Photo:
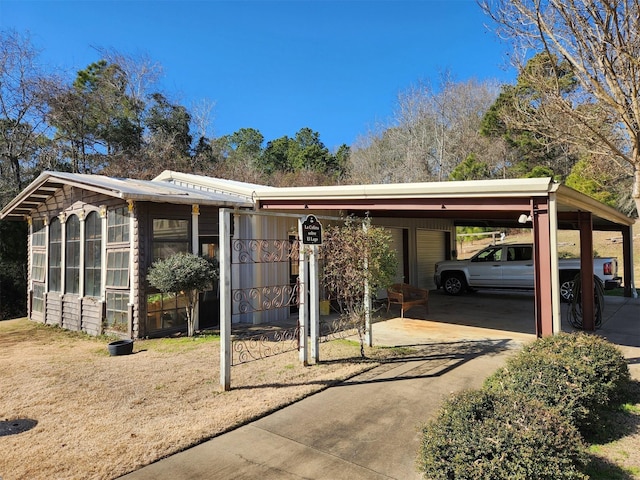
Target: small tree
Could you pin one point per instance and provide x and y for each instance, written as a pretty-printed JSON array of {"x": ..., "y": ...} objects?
[
  {"x": 184, "y": 273},
  {"x": 356, "y": 254}
]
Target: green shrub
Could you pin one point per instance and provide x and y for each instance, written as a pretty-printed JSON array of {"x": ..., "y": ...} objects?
[
  {"x": 578, "y": 374},
  {"x": 488, "y": 435}
]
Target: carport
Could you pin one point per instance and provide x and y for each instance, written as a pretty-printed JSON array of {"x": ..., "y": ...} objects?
[{"x": 540, "y": 203}]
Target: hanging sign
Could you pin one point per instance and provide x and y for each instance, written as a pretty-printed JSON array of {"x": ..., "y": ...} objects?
[{"x": 311, "y": 231}]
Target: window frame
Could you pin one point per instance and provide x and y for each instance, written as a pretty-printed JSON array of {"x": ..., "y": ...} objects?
[
  {"x": 38, "y": 269},
  {"x": 183, "y": 243},
  {"x": 38, "y": 233},
  {"x": 116, "y": 316},
  {"x": 37, "y": 297},
  {"x": 55, "y": 255},
  {"x": 93, "y": 254},
  {"x": 72, "y": 260},
  {"x": 123, "y": 268},
  {"x": 118, "y": 220}
]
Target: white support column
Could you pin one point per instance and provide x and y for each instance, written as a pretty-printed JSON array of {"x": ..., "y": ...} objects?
[
  {"x": 314, "y": 307},
  {"x": 303, "y": 321},
  {"x": 63, "y": 254},
  {"x": 368, "y": 332},
  {"x": 47, "y": 252},
  {"x": 195, "y": 229},
  {"x": 225, "y": 299},
  {"x": 30, "y": 261},
  {"x": 103, "y": 253},
  {"x": 81, "y": 217},
  {"x": 195, "y": 249}
]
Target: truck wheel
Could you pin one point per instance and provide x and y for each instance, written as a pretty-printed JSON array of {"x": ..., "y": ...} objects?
[
  {"x": 454, "y": 284},
  {"x": 566, "y": 289}
]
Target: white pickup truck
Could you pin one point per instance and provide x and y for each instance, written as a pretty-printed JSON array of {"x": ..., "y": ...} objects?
[{"x": 511, "y": 266}]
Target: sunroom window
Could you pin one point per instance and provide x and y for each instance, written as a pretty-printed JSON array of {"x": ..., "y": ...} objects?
[
  {"x": 118, "y": 268},
  {"x": 72, "y": 255},
  {"x": 92, "y": 254},
  {"x": 170, "y": 236},
  {"x": 55, "y": 255},
  {"x": 118, "y": 225}
]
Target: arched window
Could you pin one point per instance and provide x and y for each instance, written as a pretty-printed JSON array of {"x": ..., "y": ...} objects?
[
  {"x": 92, "y": 254},
  {"x": 72, "y": 255},
  {"x": 55, "y": 255}
]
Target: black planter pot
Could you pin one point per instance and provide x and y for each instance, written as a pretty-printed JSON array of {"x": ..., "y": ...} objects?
[{"x": 120, "y": 347}]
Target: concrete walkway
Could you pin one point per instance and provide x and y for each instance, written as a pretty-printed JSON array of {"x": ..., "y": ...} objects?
[{"x": 369, "y": 427}]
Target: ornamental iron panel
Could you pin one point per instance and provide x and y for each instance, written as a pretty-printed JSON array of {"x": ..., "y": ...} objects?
[
  {"x": 264, "y": 251},
  {"x": 258, "y": 299},
  {"x": 249, "y": 347}
]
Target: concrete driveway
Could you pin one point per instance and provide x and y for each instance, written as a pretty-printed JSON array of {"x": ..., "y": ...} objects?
[{"x": 369, "y": 426}]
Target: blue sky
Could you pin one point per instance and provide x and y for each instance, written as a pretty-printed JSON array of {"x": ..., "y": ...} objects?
[{"x": 276, "y": 66}]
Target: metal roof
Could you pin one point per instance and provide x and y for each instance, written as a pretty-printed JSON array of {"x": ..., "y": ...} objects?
[
  {"x": 157, "y": 191},
  {"x": 476, "y": 202}
]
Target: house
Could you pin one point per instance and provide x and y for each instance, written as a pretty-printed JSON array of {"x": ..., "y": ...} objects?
[{"x": 92, "y": 239}]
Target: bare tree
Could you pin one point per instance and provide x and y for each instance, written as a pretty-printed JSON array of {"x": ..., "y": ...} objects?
[
  {"x": 22, "y": 124},
  {"x": 600, "y": 42},
  {"x": 433, "y": 130}
]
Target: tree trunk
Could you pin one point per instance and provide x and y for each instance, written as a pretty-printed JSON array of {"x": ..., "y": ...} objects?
[{"x": 636, "y": 186}]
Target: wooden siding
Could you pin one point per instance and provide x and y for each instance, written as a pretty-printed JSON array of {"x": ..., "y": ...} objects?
[
  {"x": 71, "y": 199},
  {"x": 208, "y": 221},
  {"x": 92, "y": 315},
  {"x": 53, "y": 309},
  {"x": 136, "y": 275},
  {"x": 141, "y": 257},
  {"x": 71, "y": 312}
]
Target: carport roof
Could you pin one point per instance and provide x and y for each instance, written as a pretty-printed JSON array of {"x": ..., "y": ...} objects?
[{"x": 476, "y": 202}]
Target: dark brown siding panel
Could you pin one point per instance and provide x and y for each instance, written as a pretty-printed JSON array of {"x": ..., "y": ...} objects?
[
  {"x": 139, "y": 269},
  {"x": 208, "y": 221}
]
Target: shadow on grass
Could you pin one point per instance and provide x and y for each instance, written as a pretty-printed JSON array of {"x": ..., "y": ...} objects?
[
  {"x": 602, "y": 469},
  {"x": 618, "y": 422},
  {"x": 614, "y": 425}
]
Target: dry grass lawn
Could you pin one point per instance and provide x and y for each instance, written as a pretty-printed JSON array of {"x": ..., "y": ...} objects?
[{"x": 100, "y": 416}]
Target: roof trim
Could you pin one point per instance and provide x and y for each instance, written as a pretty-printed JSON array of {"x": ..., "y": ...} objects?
[
  {"x": 522, "y": 187},
  {"x": 43, "y": 187},
  {"x": 230, "y": 187}
]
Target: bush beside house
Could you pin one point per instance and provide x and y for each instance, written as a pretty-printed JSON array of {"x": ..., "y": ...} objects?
[
  {"x": 184, "y": 273},
  {"x": 531, "y": 417}
]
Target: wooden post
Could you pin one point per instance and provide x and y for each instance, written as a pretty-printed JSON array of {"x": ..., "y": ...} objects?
[
  {"x": 542, "y": 266},
  {"x": 586, "y": 270}
]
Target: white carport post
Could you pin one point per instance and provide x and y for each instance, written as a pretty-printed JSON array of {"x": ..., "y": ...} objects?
[
  {"x": 368, "y": 328},
  {"x": 195, "y": 249},
  {"x": 314, "y": 306},
  {"x": 225, "y": 298},
  {"x": 303, "y": 321}
]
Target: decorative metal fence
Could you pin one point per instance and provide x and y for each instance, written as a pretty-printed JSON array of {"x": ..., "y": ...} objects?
[
  {"x": 249, "y": 347},
  {"x": 258, "y": 299}
]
